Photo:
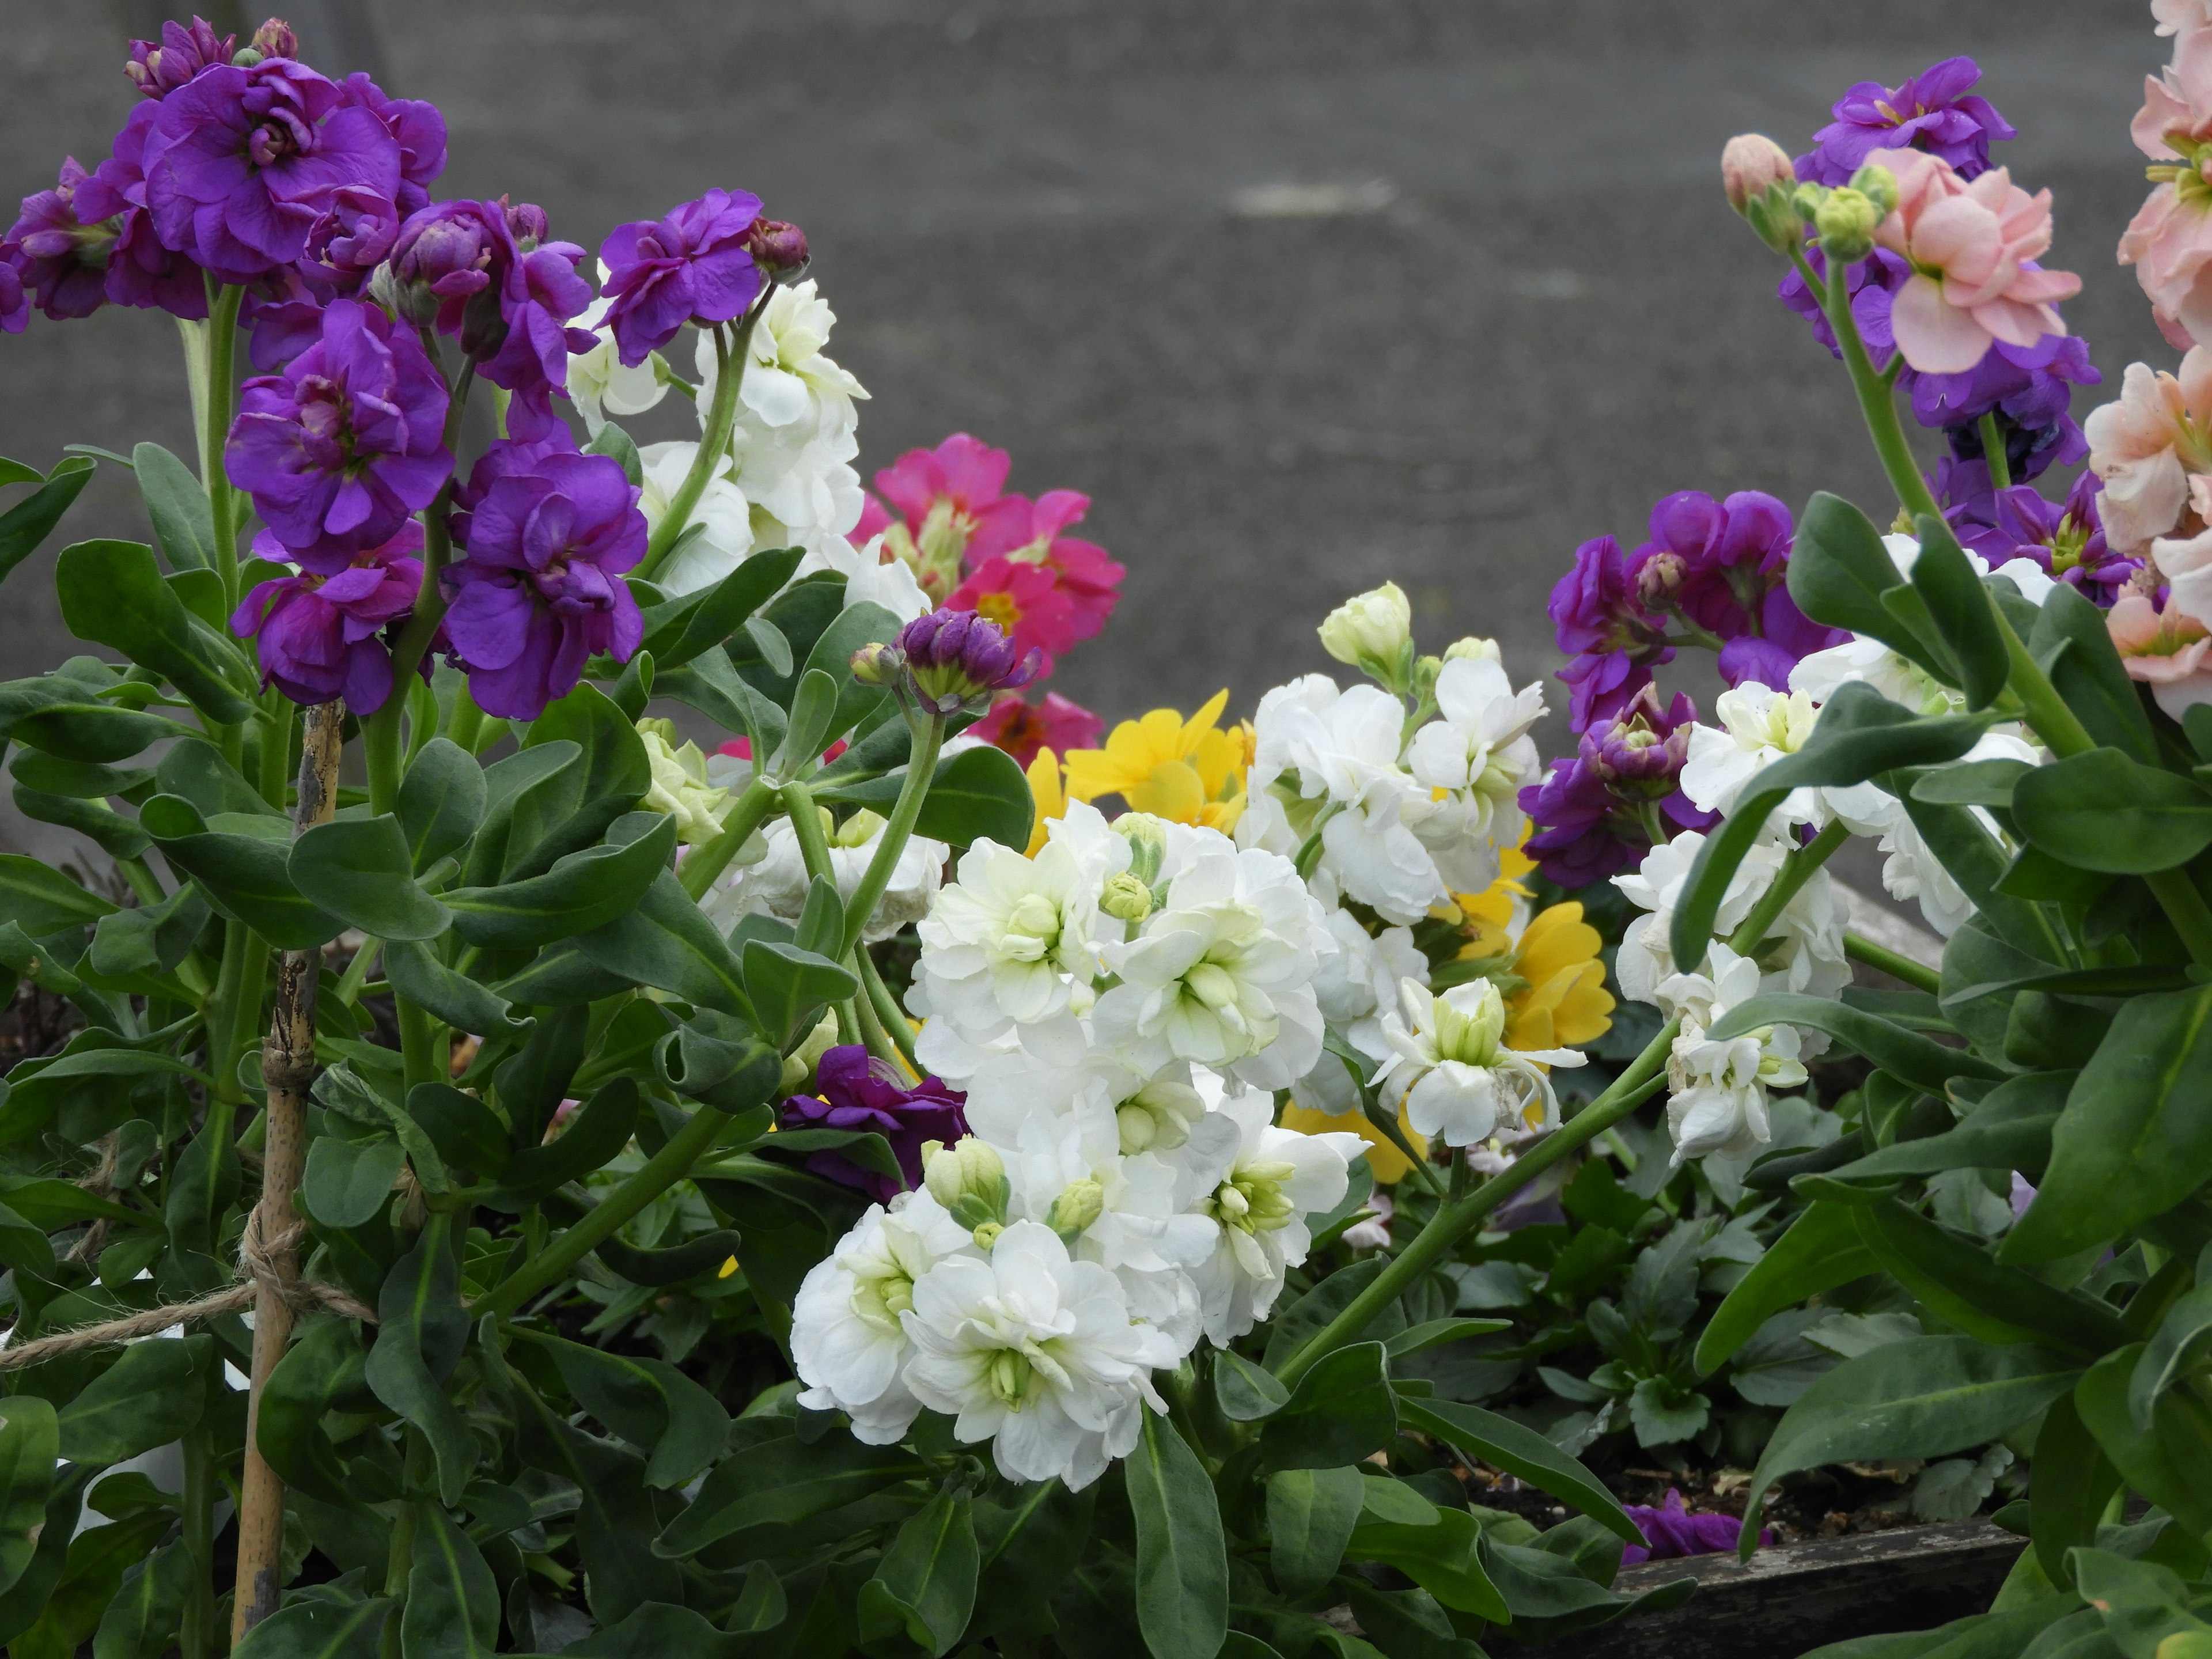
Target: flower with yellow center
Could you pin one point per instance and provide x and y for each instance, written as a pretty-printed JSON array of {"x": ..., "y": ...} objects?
[{"x": 1187, "y": 771}]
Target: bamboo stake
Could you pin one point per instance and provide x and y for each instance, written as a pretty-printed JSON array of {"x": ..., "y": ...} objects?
[{"x": 287, "y": 1066}]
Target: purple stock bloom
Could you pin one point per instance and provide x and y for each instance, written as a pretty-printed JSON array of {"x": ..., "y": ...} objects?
[
  {"x": 549, "y": 535},
  {"x": 321, "y": 636},
  {"x": 14, "y": 304},
  {"x": 342, "y": 447},
  {"x": 1597, "y": 808},
  {"x": 1640, "y": 755},
  {"x": 242, "y": 162},
  {"x": 955, "y": 657},
  {"x": 1724, "y": 566},
  {"x": 416, "y": 127},
  {"x": 860, "y": 1093},
  {"x": 1936, "y": 111},
  {"x": 2066, "y": 539},
  {"x": 141, "y": 271},
  {"x": 63, "y": 259},
  {"x": 1595, "y": 615},
  {"x": 1675, "y": 1532},
  {"x": 159, "y": 68},
  {"x": 694, "y": 266}
]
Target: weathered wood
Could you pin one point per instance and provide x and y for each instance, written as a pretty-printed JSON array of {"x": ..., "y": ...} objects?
[{"x": 1787, "y": 1601}]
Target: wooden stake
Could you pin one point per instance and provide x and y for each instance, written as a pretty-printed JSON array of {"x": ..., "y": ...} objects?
[{"x": 287, "y": 1066}]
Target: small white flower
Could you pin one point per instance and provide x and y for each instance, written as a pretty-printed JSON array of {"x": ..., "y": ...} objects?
[
  {"x": 1035, "y": 1353},
  {"x": 1718, "y": 1102},
  {"x": 1759, "y": 727},
  {"x": 599, "y": 382},
  {"x": 787, "y": 378},
  {"x": 1355, "y": 986},
  {"x": 870, "y": 579},
  {"x": 1454, "y": 1072},
  {"x": 1806, "y": 952},
  {"x": 777, "y": 885},
  {"x": 1479, "y": 755},
  {"x": 721, "y": 518}
]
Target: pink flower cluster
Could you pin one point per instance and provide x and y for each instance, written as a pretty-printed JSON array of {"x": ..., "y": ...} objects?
[{"x": 2169, "y": 241}]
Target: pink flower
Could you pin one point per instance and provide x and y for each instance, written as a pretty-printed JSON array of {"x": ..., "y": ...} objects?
[
  {"x": 947, "y": 497},
  {"x": 2145, "y": 446},
  {"x": 1025, "y": 601},
  {"x": 1022, "y": 728},
  {"x": 2165, "y": 650},
  {"x": 2169, "y": 241},
  {"x": 1090, "y": 580},
  {"x": 2185, "y": 561},
  {"x": 1972, "y": 248}
]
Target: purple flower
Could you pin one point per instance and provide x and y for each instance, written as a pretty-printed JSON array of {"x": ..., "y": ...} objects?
[
  {"x": 141, "y": 271},
  {"x": 860, "y": 1094},
  {"x": 956, "y": 656},
  {"x": 415, "y": 126},
  {"x": 694, "y": 266},
  {"x": 2066, "y": 539},
  {"x": 1675, "y": 1532},
  {"x": 1723, "y": 566},
  {"x": 1874, "y": 280},
  {"x": 1936, "y": 111},
  {"x": 242, "y": 162},
  {"x": 1595, "y": 615},
  {"x": 14, "y": 304},
  {"x": 549, "y": 535},
  {"x": 778, "y": 248},
  {"x": 64, "y": 260},
  {"x": 1597, "y": 810},
  {"x": 159, "y": 68},
  {"x": 338, "y": 449},
  {"x": 1640, "y": 754},
  {"x": 321, "y": 636}
]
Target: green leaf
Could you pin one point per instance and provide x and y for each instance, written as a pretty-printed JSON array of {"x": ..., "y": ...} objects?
[
  {"x": 324, "y": 1365},
  {"x": 2144, "y": 1606},
  {"x": 183, "y": 528},
  {"x": 2074, "y": 1481},
  {"x": 112, "y": 591},
  {"x": 30, "y": 1445},
  {"x": 671, "y": 1265},
  {"x": 979, "y": 794},
  {"x": 197, "y": 769},
  {"x": 788, "y": 987},
  {"x": 1917, "y": 1059},
  {"x": 453, "y": 1600},
  {"x": 685, "y": 628},
  {"x": 347, "y": 1183},
  {"x": 2088, "y": 673},
  {"x": 319, "y": 1630},
  {"x": 2164, "y": 1462},
  {"x": 2178, "y": 1347},
  {"x": 2136, "y": 1137},
  {"x": 1245, "y": 1392},
  {"x": 1293, "y": 1327},
  {"x": 467, "y": 1134},
  {"x": 600, "y": 1129},
  {"x": 1442, "y": 1557},
  {"x": 1182, "y": 1563},
  {"x": 813, "y": 707},
  {"x": 713, "y": 687},
  {"x": 415, "y": 973},
  {"x": 616, "y": 1515},
  {"x": 1435, "y": 1332},
  {"x": 1504, "y": 1444},
  {"x": 108, "y": 829},
  {"x": 925, "y": 1585},
  {"x": 22, "y": 1606},
  {"x": 1839, "y": 572},
  {"x": 244, "y": 876},
  {"x": 821, "y": 921},
  {"x": 1922, "y": 1397},
  {"x": 661, "y": 1630},
  {"x": 92, "y": 731},
  {"x": 141, "y": 1622},
  {"x": 666, "y": 941},
  {"x": 766, "y": 642},
  {"x": 146, "y": 1398},
  {"x": 781, "y": 1481},
  {"x": 441, "y": 801},
  {"x": 32, "y": 520},
  {"x": 582, "y": 891},
  {"x": 41, "y": 900},
  {"x": 1963, "y": 613},
  {"x": 2101, "y": 811},
  {"x": 1954, "y": 1278},
  {"x": 720, "y": 1061},
  {"x": 419, "y": 1336},
  {"x": 852, "y": 627},
  {"x": 678, "y": 1425},
  {"x": 2010, "y": 1129},
  {"x": 1971, "y": 783},
  {"x": 1310, "y": 1515},
  {"x": 1341, "y": 1411},
  {"x": 360, "y": 870}
]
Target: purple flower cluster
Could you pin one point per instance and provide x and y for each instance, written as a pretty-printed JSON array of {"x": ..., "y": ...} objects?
[
  {"x": 321, "y": 634},
  {"x": 1937, "y": 111},
  {"x": 1674, "y": 1531},
  {"x": 2066, "y": 539},
  {"x": 1617, "y": 795},
  {"x": 860, "y": 1093},
  {"x": 696, "y": 265}
]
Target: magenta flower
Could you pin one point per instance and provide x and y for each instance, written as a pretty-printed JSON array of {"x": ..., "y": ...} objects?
[
  {"x": 241, "y": 163},
  {"x": 1936, "y": 111},
  {"x": 321, "y": 636},
  {"x": 63, "y": 260},
  {"x": 860, "y": 1094},
  {"x": 549, "y": 535},
  {"x": 953, "y": 658},
  {"x": 338, "y": 449},
  {"x": 159, "y": 68},
  {"x": 694, "y": 266},
  {"x": 1674, "y": 1531},
  {"x": 1089, "y": 580},
  {"x": 141, "y": 271},
  {"x": 1022, "y": 728},
  {"x": 949, "y": 499},
  {"x": 1026, "y": 603},
  {"x": 14, "y": 304}
]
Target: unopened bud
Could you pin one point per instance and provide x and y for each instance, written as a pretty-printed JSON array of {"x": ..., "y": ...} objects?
[
  {"x": 1474, "y": 649},
  {"x": 1879, "y": 185},
  {"x": 245, "y": 57},
  {"x": 525, "y": 222},
  {"x": 878, "y": 665},
  {"x": 1751, "y": 165},
  {"x": 778, "y": 248},
  {"x": 800, "y": 1065},
  {"x": 1148, "y": 842},
  {"x": 1373, "y": 632},
  {"x": 1079, "y": 1204},
  {"x": 1125, "y": 898},
  {"x": 276, "y": 38},
  {"x": 987, "y": 1233},
  {"x": 1846, "y": 221},
  {"x": 965, "y": 1177}
]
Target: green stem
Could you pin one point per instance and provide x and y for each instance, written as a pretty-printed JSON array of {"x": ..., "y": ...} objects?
[
  {"x": 221, "y": 338},
  {"x": 227, "y": 1012},
  {"x": 661, "y": 1171},
  {"x": 467, "y": 724},
  {"x": 2059, "y": 727},
  {"x": 873, "y": 1032},
  {"x": 143, "y": 882},
  {"x": 1877, "y": 397},
  {"x": 1454, "y": 1220},
  {"x": 1797, "y": 870},
  {"x": 196, "y": 1636},
  {"x": 2185, "y": 908},
  {"x": 1920, "y": 977},
  {"x": 886, "y": 1008},
  {"x": 731, "y": 357},
  {"x": 1993, "y": 452},
  {"x": 806, "y": 829},
  {"x": 921, "y": 765},
  {"x": 704, "y": 863},
  {"x": 356, "y": 973},
  {"x": 418, "y": 1046}
]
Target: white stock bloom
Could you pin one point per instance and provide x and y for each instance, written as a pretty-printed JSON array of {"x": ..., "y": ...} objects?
[
  {"x": 1913, "y": 871},
  {"x": 1260, "y": 1189},
  {"x": 2033, "y": 581},
  {"x": 1807, "y": 953},
  {"x": 1356, "y": 986},
  {"x": 599, "y": 382},
  {"x": 1471, "y": 764},
  {"x": 681, "y": 787},
  {"x": 786, "y": 376},
  {"x": 1035, "y": 1353},
  {"x": 1759, "y": 727},
  {"x": 1317, "y": 750},
  {"x": 846, "y": 1342},
  {"x": 721, "y": 519},
  {"x": 1221, "y": 974},
  {"x": 777, "y": 884},
  {"x": 870, "y": 578},
  {"x": 1454, "y": 1072},
  {"x": 1718, "y": 1098},
  {"x": 798, "y": 477}
]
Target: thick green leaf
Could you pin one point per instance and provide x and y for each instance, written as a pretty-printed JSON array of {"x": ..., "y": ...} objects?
[
  {"x": 683, "y": 629},
  {"x": 2164, "y": 1462},
  {"x": 1962, "y": 612},
  {"x": 679, "y": 1426},
  {"x": 32, "y": 520},
  {"x": 979, "y": 794},
  {"x": 2010, "y": 1129},
  {"x": 2074, "y": 1481},
  {"x": 441, "y": 801},
  {"x": 671, "y": 1265},
  {"x": 1954, "y": 1276},
  {"x": 415, "y": 973},
  {"x": 1245, "y": 1392},
  {"x": 582, "y": 891},
  {"x": 2101, "y": 811},
  {"x": 720, "y": 1061},
  {"x": 781, "y": 1481},
  {"x": 571, "y": 808},
  {"x": 109, "y": 830},
  {"x": 467, "y": 1134},
  {"x": 1971, "y": 783},
  {"x": 347, "y": 1183},
  {"x": 195, "y": 769},
  {"x": 30, "y": 1445},
  {"x": 362, "y": 871},
  {"x": 1839, "y": 570},
  {"x": 148, "y": 1397},
  {"x": 1310, "y": 1515},
  {"x": 2136, "y": 1137},
  {"x": 600, "y": 1129},
  {"x": 2177, "y": 1347},
  {"x": 419, "y": 1336},
  {"x": 661, "y": 1630},
  {"x": 141, "y": 1622},
  {"x": 244, "y": 876},
  {"x": 453, "y": 1600},
  {"x": 1341, "y": 1411},
  {"x": 92, "y": 731},
  {"x": 41, "y": 900},
  {"x": 319, "y": 1630},
  {"x": 2088, "y": 673},
  {"x": 814, "y": 709},
  {"x": 1922, "y": 1397},
  {"x": 616, "y": 1516},
  {"x": 1182, "y": 1563},
  {"x": 853, "y": 626},
  {"x": 1917, "y": 1059},
  {"x": 713, "y": 687},
  {"x": 324, "y": 1365},
  {"x": 183, "y": 528},
  {"x": 112, "y": 591},
  {"x": 1444, "y": 1558},
  {"x": 666, "y": 941},
  {"x": 1504, "y": 1444},
  {"x": 925, "y": 1586},
  {"x": 2145, "y": 1606},
  {"x": 788, "y": 987}
]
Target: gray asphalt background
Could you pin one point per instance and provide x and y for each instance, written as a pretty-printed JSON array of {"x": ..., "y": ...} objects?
[{"x": 1532, "y": 315}]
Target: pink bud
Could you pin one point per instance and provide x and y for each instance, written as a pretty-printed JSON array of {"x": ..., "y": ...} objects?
[
  {"x": 1750, "y": 163},
  {"x": 275, "y": 38}
]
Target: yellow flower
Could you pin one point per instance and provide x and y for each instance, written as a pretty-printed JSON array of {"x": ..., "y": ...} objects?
[
  {"x": 1488, "y": 915},
  {"x": 1046, "y": 796},
  {"x": 1187, "y": 771},
  {"x": 1564, "y": 1004},
  {"x": 1388, "y": 1163}
]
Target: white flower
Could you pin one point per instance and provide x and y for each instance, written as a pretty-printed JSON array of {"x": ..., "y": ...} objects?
[
  {"x": 1480, "y": 756},
  {"x": 1902, "y": 681},
  {"x": 777, "y": 885},
  {"x": 846, "y": 1342},
  {"x": 1454, "y": 1072},
  {"x": 1913, "y": 871},
  {"x": 600, "y": 384},
  {"x": 720, "y": 523},
  {"x": 1035, "y": 1353},
  {"x": 1759, "y": 727},
  {"x": 1372, "y": 632},
  {"x": 681, "y": 787},
  {"x": 870, "y": 578},
  {"x": 2033, "y": 581},
  {"x": 1260, "y": 1189},
  {"x": 786, "y": 377},
  {"x": 798, "y": 475},
  {"x": 1806, "y": 951},
  {"x": 1221, "y": 975},
  {"x": 1356, "y": 986},
  {"x": 1718, "y": 1102}
]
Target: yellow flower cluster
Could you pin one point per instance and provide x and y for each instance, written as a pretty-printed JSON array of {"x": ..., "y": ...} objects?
[{"x": 1187, "y": 771}]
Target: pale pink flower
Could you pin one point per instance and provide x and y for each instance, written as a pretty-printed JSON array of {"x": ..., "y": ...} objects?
[
  {"x": 1971, "y": 246},
  {"x": 2166, "y": 651},
  {"x": 2145, "y": 446},
  {"x": 2185, "y": 561},
  {"x": 2169, "y": 241},
  {"x": 2175, "y": 15}
]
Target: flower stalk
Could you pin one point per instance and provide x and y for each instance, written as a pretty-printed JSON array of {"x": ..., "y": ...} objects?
[
  {"x": 732, "y": 350},
  {"x": 928, "y": 738}
]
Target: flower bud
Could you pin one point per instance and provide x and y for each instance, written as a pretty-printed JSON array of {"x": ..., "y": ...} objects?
[
  {"x": 275, "y": 38},
  {"x": 1126, "y": 898},
  {"x": 1474, "y": 648},
  {"x": 1751, "y": 165},
  {"x": 159, "y": 68},
  {"x": 956, "y": 658},
  {"x": 1879, "y": 185},
  {"x": 1845, "y": 221},
  {"x": 1148, "y": 843},
  {"x": 679, "y": 787},
  {"x": 1158, "y": 1117},
  {"x": 878, "y": 665},
  {"x": 778, "y": 248},
  {"x": 798, "y": 1065},
  {"x": 1373, "y": 632},
  {"x": 969, "y": 1178},
  {"x": 1080, "y": 1204}
]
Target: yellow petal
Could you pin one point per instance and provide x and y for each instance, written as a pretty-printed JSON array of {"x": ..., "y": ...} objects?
[
  {"x": 1388, "y": 1165},
  {"x": 1046, "y": 795},
  {"x": 1171, "y": 792}
]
